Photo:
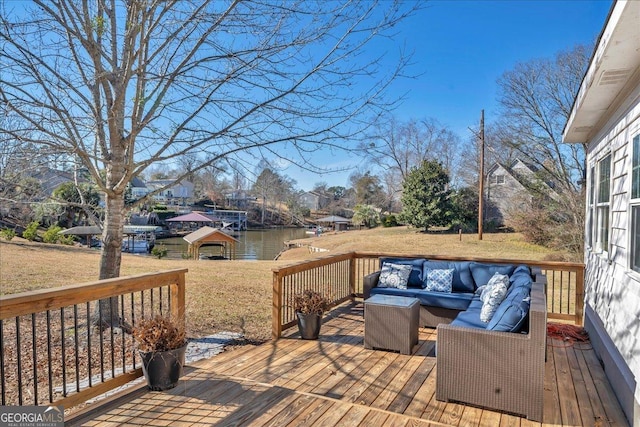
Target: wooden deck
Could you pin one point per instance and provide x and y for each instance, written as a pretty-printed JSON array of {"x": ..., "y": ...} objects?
[{"x": 336, "y": 382}]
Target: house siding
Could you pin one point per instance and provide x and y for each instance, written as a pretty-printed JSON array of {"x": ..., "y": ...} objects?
[
  {"x": 506, "y": 198},
  {"x": 612, "y": 289}
]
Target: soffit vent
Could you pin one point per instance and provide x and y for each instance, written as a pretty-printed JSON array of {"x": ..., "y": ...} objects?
[{"x": 612, "y": 77}]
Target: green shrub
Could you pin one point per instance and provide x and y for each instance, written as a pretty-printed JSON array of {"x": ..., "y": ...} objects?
[
  {"x": 159, "y": 251},
  {"x": 31, "y": 232},
  {"x": 390, "y": 221},
  {"x": 51, "y": 235},
  {"x": 7, "y": 234},
  {"x": 66, "y": 240}
]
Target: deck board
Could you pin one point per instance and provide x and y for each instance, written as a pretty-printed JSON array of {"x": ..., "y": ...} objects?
[
  {"x": 335, "y": 381},
  {"x": 569, "y": 411}
]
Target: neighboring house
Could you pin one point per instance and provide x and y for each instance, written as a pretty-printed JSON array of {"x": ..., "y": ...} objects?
[
  {"x": 239, "y": 199},
  {"x": 508, "y": 189},
  {"x": 174, "y": 193},
  {"x": 138, "y": 188},
  {"x": 314, "y": 200},
  {"x": 606, "y": 116},
  {"x": 50, "y": 179},
  {"x": 144, "y": 218}
]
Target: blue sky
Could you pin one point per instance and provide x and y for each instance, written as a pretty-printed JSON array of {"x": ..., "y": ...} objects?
[{"x": 462, "y": 47}]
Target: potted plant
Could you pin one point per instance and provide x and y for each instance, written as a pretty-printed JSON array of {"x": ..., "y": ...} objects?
[
  {"x": 162, "y": 344},
  {"x": 309, "y": 306}
]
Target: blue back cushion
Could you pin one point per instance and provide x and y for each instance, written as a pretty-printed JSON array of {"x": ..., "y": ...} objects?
[
  {"x": 512, "y": 312},
  {"x": 482, "y": 272},
  {"x": 415, "y": 278},
  {"x": 521, "y": 277},
  {"x": 462, "y": 279}
]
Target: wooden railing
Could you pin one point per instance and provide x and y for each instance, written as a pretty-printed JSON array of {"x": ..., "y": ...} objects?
[
  {"x": 53, "y": 354},
  {"x": 340, "y": 277}
]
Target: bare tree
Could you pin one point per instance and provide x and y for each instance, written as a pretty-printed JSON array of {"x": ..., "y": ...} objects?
[
  {"x": 125, "y": 84},
  {"x": 273, "y": 188},
  {"x": 398, "y": 147},
  {"x": 536, "y": 99}
]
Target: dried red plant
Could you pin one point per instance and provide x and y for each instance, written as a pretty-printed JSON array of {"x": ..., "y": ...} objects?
[{"x": 159, "y": 333}]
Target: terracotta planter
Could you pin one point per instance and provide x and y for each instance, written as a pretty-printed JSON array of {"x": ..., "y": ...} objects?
[
  {"x": 163, "y": 369},
  {"x": 309, "y": 325}
]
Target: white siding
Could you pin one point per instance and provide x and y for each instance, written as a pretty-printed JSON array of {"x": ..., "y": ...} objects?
[{"x": 612, "y": 289}]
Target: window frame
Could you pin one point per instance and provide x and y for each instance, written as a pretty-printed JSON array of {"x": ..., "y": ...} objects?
[
  {"x": 634, "y": 206},
  {"x": 590, "y": 208},
  {"x": 602, "y": 205}
]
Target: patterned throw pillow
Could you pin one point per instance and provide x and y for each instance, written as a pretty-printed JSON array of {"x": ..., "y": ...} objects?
[
  {"x": 492, "y": 296},
  {"x": 394, "y": 276},
  {"x": 497, "y": 279},
  {"x": 438, "y": 280}
]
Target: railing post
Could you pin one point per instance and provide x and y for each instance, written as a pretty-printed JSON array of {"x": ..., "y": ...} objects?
[
  {"x": 579, "y": 296},
  {"x": 276, "y": 315},
  {"x": 177, "y": 293},
  {"x": 352, "y": 275}
]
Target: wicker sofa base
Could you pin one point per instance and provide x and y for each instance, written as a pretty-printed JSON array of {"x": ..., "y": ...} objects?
[
  {"x": 497, "y": 370},
  {"x": 431, "y": 317}
]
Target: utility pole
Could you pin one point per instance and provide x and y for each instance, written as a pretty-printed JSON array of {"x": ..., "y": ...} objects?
[{"x": 481, "y": 178}]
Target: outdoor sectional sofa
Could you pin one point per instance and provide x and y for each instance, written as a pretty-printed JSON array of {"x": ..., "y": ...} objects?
[{"x": 498, "y": 365}]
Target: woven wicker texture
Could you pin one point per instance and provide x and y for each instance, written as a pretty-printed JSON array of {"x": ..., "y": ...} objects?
[
  {"x": 391, "y": 326},
  {"x": 497, "y": 370}
]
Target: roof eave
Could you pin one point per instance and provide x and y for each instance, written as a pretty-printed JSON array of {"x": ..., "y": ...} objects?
[{"x": 613, "y": 66}]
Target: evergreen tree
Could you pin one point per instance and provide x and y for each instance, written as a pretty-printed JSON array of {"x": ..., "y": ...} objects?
[{"x": 426, "y": 198}]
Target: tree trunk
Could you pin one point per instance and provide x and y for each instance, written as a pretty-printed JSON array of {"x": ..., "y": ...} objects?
[{"x": 106, "y": 313}]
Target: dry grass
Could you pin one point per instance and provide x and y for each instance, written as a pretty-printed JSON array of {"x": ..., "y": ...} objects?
[
  {"x": 405, "y": 240},
  {"x": 236, "y": 295}
]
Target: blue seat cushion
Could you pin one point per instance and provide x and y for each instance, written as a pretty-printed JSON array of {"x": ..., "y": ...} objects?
[
  {"x": 462, "y": 279},
  {"x": 482, "y": 272},
  {"x": 512, "y": 312},
  {"x": 454, "y": 301},
  {"x": 470, "y": 318},
  {"x": 415, "y": 278}
]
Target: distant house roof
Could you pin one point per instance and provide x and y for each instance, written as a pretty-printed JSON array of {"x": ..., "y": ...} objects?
[
  {"x": 209, "y": 234},
  {"x": 333, "y": 219},
  {"x": 192, "y": 217},
  {"x": 92, "y": 230},
  {"x": 522, "y": 179},
  {"x": 50, "y": 179},
  {"x": 212, "y": 236},
  {"x": 137, "y": 182},
  {"x": 86, "y": 230}
]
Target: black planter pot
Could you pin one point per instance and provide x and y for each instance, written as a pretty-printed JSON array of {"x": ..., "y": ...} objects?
[
  {"x": 309, "y": 325},
  {"x": 163, "y": 369}
]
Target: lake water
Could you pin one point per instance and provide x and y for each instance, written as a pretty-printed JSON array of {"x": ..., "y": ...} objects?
[{"x": 253, "y": 245}]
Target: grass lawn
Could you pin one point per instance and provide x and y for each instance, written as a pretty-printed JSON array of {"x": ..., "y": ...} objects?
[{"x": 236, "y": 295}]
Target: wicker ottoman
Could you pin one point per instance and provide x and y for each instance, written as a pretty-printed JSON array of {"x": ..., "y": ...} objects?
[{"x": 391, "y": 323}]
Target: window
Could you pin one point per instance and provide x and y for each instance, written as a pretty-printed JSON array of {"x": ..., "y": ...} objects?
[
  {"x": 602, "y": 204},
  {"x": 496, "y": 179},
  {"x": 590, "y": 201},
  {"x": 635, "y": 205},
  {"x": 635, "y": 169},
  {"x": 635, "y": 238}
]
